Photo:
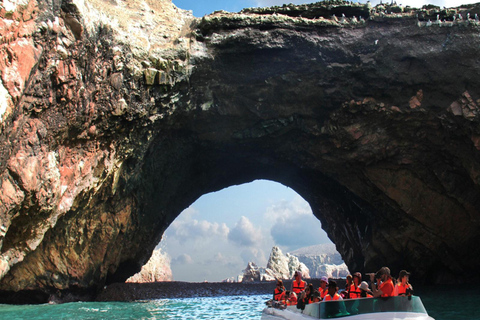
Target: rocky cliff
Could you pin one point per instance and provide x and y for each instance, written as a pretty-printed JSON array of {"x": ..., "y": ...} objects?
[{"x": 117, "y": 115}]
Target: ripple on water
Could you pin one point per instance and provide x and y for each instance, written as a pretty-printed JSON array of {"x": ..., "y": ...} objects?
[{"x": 220, "y": 308}]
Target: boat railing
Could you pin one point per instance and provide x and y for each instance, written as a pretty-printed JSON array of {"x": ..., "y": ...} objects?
[{"x": 350, "y": 307}]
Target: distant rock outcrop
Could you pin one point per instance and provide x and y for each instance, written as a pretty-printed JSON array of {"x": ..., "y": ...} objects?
[
  {"x": 322, "y": 260},
  {"x": 281, "y": 266},
  {"x": 156, "y": 269}
]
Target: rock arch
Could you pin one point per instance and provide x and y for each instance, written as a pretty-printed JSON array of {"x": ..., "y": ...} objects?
[{"x": 373, "y": 122}]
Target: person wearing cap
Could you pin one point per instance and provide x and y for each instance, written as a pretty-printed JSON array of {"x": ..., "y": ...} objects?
[
  {"x": 323, "y": 287},
  {"x": 384, "y": 287},
  {"x": 332, "y": 292},
  {"x": 354, "y": 290},
  {"x": 298, "y": 285},
  {"x": 403, "y": 288},
  {"x": 365, "y": 290}
]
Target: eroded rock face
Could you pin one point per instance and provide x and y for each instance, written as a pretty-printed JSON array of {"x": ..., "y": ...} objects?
[{"x": 115, "y": 116}]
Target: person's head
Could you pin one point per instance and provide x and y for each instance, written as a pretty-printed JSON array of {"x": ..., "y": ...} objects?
[
  {"x": 287, "y": 294},
  {"x": 357, "y": 278},
  {"x": 279, "y": 283},
  {"x": 403, "y": 276},
  {"x": 316, "y": 296},
  {"x": 293, "y": 294},
  {"x": 332, "y": 288},
  {"x": 383, "y": 274},
  {"x": 323, "y": 282},
  {"x": 309, "y": 289},
  {"x": 349, "y": 280},
  {"x": 297, "y": 275},
  {"x": 364, "y": 286}
]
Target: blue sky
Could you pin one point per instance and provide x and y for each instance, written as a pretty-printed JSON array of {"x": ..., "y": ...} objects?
[
  {"x": 221, "y": 232},
  {"x": 218, "y": 234}
]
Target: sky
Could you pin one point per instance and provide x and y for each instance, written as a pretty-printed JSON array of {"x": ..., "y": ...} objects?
[{"x": 221, "y": 232}]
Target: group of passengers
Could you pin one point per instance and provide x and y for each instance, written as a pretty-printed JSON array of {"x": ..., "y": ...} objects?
[{"x": 383, "y": 285}]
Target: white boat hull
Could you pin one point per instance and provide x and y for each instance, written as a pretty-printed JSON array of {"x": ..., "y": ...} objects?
[{"x": 394, "y": 308}]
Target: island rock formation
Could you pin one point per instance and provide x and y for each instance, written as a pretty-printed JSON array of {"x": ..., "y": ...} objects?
[
  {"x": 322, "y": 260},
  {"x": 117, "y": 115}
]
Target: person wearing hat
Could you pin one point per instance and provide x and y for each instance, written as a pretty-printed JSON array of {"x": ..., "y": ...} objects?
[
  {"x": 354, "y": 290},
  {"x": 323, "y": 287},
  {"x": 332, "y": 292},
  {"x": 364, "y": 290},
  {"x": 403, "y": 288},
  {"x": 384, "y": 287}
]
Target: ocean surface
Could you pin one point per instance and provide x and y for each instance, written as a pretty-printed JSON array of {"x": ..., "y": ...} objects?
[{"x": 442, "y": 303}]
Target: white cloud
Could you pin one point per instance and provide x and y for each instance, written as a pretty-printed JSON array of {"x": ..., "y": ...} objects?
[
  {"x": 183, "y": 259},
  {"x": 283, "y": 210},
  {"x": 244, "y": 233},
  {"x": 185, "y": 228},
  {"x": 294, "y": 224},
  {"x": 254, "y": 254}
]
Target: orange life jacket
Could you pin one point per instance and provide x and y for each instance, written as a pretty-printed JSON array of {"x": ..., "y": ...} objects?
[
  {"x": 278, "y": 294},
  {"x": 328, "y": 297},
  {"x": 298, "y": 287},
  {"x": 354, "y": 292},
  {"x": 323, "y": 292},
  {"x": 387, "y": 288},
  {"x": 401, "y": 290}
]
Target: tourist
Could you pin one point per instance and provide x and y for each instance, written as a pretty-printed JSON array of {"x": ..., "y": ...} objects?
[
  {"x": 305, "y": 297},
  {"x": 290, "y": 298},
  {"x": 346, "y": 293},
  {"x": 309, "y": 294},
  {"x": 403, "y": 287},
  {"x": 362, "y": 307},
  {"x": 323, "y": 287},
  {"x": 279, "y": 293},
  {"x": 365, "y": 291},
  {"x": 335, "y": 306},
  {"x": 384, "y": 286},
  {"x": 316, "y": 296},
  {"x": 354, "y": 290},
  {"x": 298, "y": 285},
  {"x": 332, "y": 292}
]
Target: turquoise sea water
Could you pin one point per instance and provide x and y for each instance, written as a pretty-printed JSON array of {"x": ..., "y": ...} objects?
[
  {"x": 442, "y": 303},
  {"x": 230, "y": 307}
]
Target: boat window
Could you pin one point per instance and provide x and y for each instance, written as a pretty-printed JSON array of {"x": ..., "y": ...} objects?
[{"x": 345, "y": 308}]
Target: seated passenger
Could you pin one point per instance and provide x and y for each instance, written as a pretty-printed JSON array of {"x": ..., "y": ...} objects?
[
  {"x": 290, "y": 298},
  {"x": 332, "y": 292},
  {"x": 279, "y": 292},
  {"x": 298, "y": 285},
  {"x": 403, "y": 288},
  {"x": 305, "y": 297},
  {"x": 346, "y": 293},
  {"x": 316, "y": 296},
  {"x": 323, "y": 287},
  {"x": 365, "y": 290},
  {"x": 384, "y": 287},
  {"x": 308, "y": 297},
  {"x": 354, "y": 290}
]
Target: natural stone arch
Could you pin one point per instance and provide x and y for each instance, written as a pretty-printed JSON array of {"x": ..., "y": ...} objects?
[{"x": 102, "y": 150}]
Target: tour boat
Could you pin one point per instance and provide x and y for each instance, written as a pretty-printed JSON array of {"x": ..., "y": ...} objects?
[{"x": 393, "y": 308}]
